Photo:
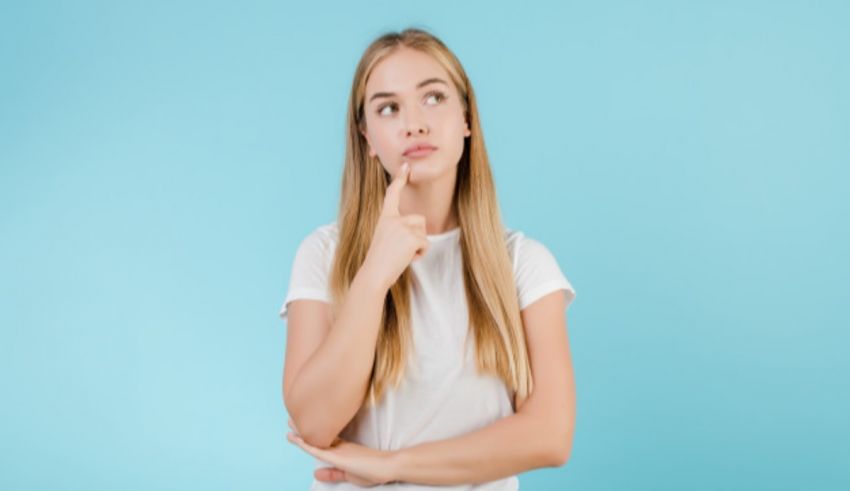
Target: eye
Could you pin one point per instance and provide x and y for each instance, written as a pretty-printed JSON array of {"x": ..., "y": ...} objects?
[
  {"x": 438, "y": 95},
  {"x": 380, "y": 110}
]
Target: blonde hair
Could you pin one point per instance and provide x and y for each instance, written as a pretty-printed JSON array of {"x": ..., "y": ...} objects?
[{"x": 494, "y": 315}]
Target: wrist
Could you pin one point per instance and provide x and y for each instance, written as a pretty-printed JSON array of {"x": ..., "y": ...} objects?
[
  {"x": 370, "y": 279},
  {"x": 396, "y": 462}
]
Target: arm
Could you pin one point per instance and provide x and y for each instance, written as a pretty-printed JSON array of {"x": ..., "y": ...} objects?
[
  {"x": 325, "y": 391},
  {"x": 539, "y": 434}
]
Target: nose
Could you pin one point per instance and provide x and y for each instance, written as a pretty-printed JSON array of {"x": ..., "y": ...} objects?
[
  {"x": 415, "y": 124},
  {"x": 420, "y": 129}
]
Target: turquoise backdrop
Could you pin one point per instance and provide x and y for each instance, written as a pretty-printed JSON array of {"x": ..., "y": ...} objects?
[{"x": 686, "y": 162}]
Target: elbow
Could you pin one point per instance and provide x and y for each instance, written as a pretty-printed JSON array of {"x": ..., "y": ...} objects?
[
  {"x": 554, "y": 440},
  {"x": 309, "y": 429},
  {"x": 559, "y": 456},
  {"x": 313, "y": 434},
  {"x": 318, "y": 439},
  {"x": 560, "y": 449}
]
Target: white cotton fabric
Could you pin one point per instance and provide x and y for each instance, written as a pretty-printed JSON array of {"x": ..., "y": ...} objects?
[{"x": 441, "y": 395}]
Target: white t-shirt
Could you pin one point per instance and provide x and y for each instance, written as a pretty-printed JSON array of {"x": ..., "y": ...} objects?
[{"x": 441, "y": 395}]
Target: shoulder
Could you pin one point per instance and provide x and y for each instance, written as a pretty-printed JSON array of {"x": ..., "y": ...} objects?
[
  {"x": 536, "y": 269},
  {"x": 317, "y": 247},
  {"x": 328, "y": 232},
  {"x": 311, "y": 266},
  {"x": 523, "y": 248},
  {"x": 324, "y": 236}
]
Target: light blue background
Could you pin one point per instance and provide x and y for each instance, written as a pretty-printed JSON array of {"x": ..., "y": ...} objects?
[{"x": 686, "y": 162}]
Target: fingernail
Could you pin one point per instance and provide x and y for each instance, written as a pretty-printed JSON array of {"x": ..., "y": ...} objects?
[{"x": 405, "y": 166}]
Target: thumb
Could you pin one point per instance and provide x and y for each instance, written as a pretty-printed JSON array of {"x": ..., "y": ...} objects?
[
  {"x": 393, "y": 195},
  {"x": 329, "y": 474}
]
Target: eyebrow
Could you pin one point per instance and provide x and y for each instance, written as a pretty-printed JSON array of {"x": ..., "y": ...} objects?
[{"x": 418, "y": 86}]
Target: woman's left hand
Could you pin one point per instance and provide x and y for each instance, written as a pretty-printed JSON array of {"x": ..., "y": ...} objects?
[{"x": 351, "y": 462}]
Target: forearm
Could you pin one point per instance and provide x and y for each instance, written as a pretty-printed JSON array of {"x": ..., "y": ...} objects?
[
  {"x": 330, "y": 388},
  {"x": 508, "y": 446}
]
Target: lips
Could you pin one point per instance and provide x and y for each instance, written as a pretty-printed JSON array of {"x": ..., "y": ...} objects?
[{"x": 419, "y": 150}]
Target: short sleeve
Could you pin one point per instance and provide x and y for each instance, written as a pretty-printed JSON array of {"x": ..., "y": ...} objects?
[
  {"x": 538, "y": 273},
  {"x": 310, "y": 269}
]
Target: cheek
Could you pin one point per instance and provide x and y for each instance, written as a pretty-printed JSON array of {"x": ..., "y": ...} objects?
[
  {"x": 452, "y": 128},
  {"x": 451, "y": 122},
  {"x": 385, "y": 149},
  {"x": 379, "y": 138}
]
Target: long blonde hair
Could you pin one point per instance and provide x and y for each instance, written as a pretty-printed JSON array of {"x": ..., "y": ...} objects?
[{"x": 494, "y": 315}]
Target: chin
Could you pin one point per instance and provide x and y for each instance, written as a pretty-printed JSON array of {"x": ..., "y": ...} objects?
[{"x": 423, "y": 171}]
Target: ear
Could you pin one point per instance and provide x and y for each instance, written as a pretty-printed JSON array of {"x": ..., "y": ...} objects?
[{"x": 368, "y": 143}]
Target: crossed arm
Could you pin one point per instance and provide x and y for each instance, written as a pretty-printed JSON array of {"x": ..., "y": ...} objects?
[{"x": 539, "y": 434}]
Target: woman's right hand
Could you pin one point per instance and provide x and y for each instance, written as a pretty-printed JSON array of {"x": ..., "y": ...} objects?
[{"x": 398, "y": 239}]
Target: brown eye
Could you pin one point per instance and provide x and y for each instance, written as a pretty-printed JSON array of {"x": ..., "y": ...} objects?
[
  {"x": 381, "y": 109},
  {"x": 438, "y": 95}
]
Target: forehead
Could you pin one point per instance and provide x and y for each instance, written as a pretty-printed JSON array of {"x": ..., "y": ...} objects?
[{"x": 402, "y": 70}]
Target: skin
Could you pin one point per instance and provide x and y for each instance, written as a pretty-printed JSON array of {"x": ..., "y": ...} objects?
[{"x": 431, "y": 114}]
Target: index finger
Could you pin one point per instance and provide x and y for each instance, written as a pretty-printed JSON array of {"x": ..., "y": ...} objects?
[{"x": 393, "y": 195}]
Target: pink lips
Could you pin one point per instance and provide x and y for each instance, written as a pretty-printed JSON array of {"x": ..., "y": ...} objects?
[{"x": 420, "y": 150}]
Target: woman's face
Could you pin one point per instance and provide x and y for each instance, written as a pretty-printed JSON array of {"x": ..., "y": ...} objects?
[{"x": 410, "y": 100}]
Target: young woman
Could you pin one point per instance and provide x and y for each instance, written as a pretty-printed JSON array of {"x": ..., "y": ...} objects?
[{"x": 426, "y": 343}]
